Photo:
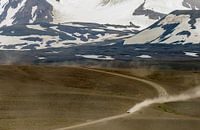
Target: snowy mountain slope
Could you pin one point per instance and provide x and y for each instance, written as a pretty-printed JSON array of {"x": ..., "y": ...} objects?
[
  {"x": 45, "y": 35},
  {"x": 25, "y": 11},
  {"x": 178, "y": 27},
  {"x": 139, "y": 12},
  {"x": 41, "y": 24}
]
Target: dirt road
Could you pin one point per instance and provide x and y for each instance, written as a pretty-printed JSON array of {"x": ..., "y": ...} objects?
[{"x": 161, "y": 92}]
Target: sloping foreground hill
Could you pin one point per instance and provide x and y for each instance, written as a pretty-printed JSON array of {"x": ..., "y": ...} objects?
[{"x": 43, "y": 98}]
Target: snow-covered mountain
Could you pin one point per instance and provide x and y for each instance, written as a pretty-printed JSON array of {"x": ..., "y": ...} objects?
[
  {"x": 46, "y": 35},
  {"x": 42, "y": 24},
  {"x": 141, "y": 13},
  {"x": 180, "y": 27}
]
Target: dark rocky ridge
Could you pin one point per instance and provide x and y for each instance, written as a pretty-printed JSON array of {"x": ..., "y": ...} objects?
[
  {"x": 147, "y": 12},
  {"x": 194, "y": 4}
]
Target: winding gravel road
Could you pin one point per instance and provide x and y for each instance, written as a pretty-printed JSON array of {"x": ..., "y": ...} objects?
[{"x": 161, "y": 92}]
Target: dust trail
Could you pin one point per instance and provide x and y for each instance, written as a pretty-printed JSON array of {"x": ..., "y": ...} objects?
[
  {"x": 190, "y": 94},
  {"x": 163, "y": 98},
  {"x": 161, "y": 93}
]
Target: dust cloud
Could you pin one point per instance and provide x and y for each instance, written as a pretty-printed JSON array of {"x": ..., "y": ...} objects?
[{"x": 190, "y": 94}]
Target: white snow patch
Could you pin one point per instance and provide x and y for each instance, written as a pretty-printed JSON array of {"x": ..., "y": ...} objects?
[
  {"x": 33, "y": 14},
  {"x": 77, "y": 34},
  {"x": 41, "y": 58},
  {"x": 120, "y": 28},
  {"x": 144, "y": 56},
  {"x": 110, "y": 44},
  {"x": 98, "y": 57},
  {"x": 93, "y": 11},
  {"x": 192, "y": 54},
  {"x": 98, "y": 30},
  {"x": 142, "y": 21},
  {"x": 37, "y": 27},
  {"x": 164, "y": 6},
  {"x": 86, "y": 35},
  {"x": 73, "y": 24}
]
